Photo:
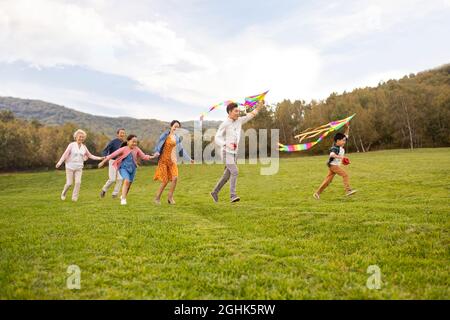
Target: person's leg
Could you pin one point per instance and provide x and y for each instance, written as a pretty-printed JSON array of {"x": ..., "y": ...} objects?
[
  {"x": 129, "y": 187},
  {"x": 125, "y": 188},
  {"x": 111, "y": 177},
  {"x": 173, "y": 177},
  {"x": 119, "y": 181},
  {"x": 172, "y": 190},
  {"x": 326, "y": 182},
  {"x": 225, "y": 177},
  {"x": 162, "y": 174},
  {"x": 233, "y": 169},
  {"x": 69, "y": 180},
  {"x": 341, "y": 172},
  {"x": 76, "y": 189},
  {"x": 162, "y": 186}
]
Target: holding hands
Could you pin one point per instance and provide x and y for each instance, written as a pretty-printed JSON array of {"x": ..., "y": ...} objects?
[{"x": 102, "y": 163}]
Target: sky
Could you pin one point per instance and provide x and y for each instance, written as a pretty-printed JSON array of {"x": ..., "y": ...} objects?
[{"x": 166, "y": 59}]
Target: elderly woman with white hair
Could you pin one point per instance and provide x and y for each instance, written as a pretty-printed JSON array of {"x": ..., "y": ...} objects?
[{"x": 74, "y": 157}]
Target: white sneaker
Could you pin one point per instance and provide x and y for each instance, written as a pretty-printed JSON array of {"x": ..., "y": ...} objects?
[
  {"x": 123, "y": 202},
  {"x": 316, "y": 196},
  {"x": 235, "y": 199},
  {"x": 63, "y": 197},
  {"x": 350, "y": 193}
]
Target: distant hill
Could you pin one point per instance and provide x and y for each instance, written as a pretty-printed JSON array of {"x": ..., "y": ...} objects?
[{"x": 53, "y": 114}]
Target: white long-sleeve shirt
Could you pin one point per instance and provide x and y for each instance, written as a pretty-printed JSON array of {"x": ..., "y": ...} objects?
[
  {"x": 75, "y": 155},
  {"x": 229, "y": 132}
]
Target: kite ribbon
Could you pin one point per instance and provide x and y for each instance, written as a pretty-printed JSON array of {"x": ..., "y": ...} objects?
[
  {"x": 249, "y": 102},
  {"x": 330, "y": 127},
  {"x": 221, "y": 104}
]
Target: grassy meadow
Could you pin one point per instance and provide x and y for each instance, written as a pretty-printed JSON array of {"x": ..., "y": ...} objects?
[{"x": 277, "y": 243}]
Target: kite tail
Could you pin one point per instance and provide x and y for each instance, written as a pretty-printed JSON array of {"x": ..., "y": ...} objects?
[
  {"x": 297, "y": 147},
  {"x": 334, "y": 126}
]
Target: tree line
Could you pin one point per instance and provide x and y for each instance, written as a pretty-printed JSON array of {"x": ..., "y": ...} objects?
[
  {"x": 26, "y": 144},
  {"x": 413, "y": 112},
  {"x": 29, "y": 144}
]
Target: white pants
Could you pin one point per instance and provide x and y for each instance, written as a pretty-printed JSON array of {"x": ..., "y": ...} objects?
[
  {"x": 72, "y": 175},
  {"x": 114, "y": 176}
]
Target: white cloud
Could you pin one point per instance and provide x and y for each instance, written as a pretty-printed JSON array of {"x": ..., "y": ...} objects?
[
  {"x": 132, "y": 39},
  {"x": 362, "y": 18},
  {"x": 327, "y": 23},
  {"x": 51, "y": 33}
]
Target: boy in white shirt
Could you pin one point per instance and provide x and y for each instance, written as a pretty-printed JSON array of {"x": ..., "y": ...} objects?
[{"x": 227, "y": 137}]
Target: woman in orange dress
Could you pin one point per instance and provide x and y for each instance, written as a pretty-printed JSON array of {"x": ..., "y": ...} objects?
[{"x": 167, "y": 171}]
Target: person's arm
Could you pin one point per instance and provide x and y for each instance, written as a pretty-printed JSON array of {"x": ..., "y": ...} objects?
[
  {"x": 185, "y": 155},
  {"x": 91, "y": 156},
  {"x": 159, "y": 145},
  {"x": 115, "y": 154},
  {"x": 334, "y": 153},
  {"x": 220, "y": 134},
  {"x": 347, "y": 129},
  {"x": 107, "y": 149},
  {"x": 64, "y": 156},
  {"x": 144, "y": 156},
  {"x": 252, "y": 114},
  {"x": 249, "y": 116},
  {"x": 181, "y": 150}
]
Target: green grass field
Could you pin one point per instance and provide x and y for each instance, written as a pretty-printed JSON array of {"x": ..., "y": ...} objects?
[{"x": 277, "y": 243}]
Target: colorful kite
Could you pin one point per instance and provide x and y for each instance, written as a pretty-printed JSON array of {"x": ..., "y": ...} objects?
[
  {"x": 323, "y": 131},
  {"x": 249, "y": 102},
  {"x": 253, "y": 100}
]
